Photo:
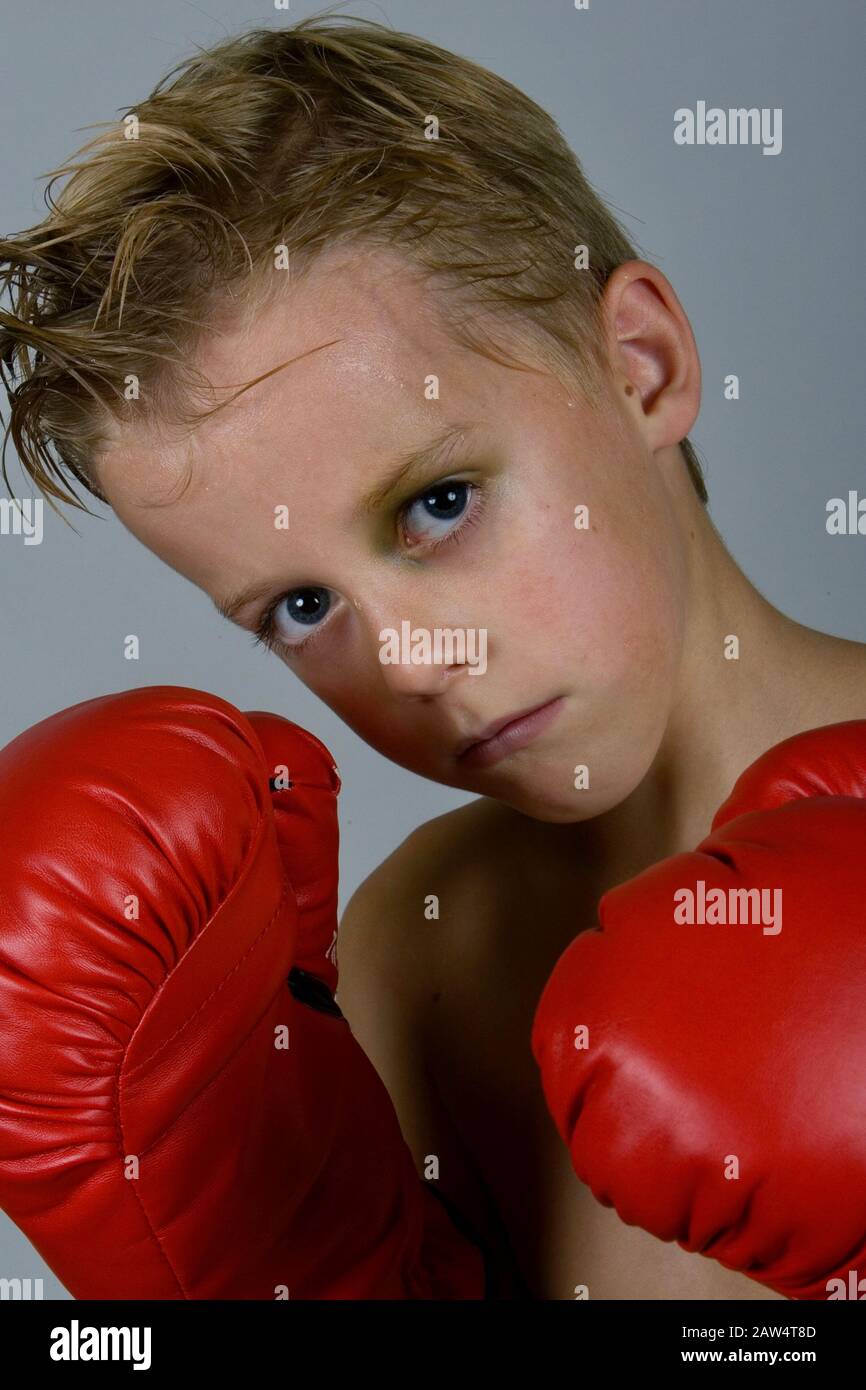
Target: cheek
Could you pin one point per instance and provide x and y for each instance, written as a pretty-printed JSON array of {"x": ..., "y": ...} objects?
[
  {"x": 606, "y": 613},
  {"x": 605, "y": 625},
  {"x": 634, "y": 624}
]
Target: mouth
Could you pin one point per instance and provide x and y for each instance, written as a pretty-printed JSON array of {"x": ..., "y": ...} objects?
[{"x": 507, "y": 735}]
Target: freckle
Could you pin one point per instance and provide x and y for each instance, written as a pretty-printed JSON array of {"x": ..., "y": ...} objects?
[{"x": 436, "y": 997}]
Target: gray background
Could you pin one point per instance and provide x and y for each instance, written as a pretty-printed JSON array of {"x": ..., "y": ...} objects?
[{"x": 764, "y": 252}]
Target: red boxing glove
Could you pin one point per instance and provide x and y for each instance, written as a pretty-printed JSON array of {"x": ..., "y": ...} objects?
[
  {"x": 703, "y": 1052},
  {"x": 184, "y": 1112}
]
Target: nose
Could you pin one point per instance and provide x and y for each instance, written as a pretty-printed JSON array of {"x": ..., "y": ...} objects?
[{"x": 419, "y": 661}]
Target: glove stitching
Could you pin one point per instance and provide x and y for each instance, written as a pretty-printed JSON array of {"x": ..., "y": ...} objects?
[
  {"x": 205, "y": 1002},
  {"x": 157, "y": 1139}
]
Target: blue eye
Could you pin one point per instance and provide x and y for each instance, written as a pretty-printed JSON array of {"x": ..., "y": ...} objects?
[
  {"x": 437, "y": 509},
  {"x": 294, "y": 613}
]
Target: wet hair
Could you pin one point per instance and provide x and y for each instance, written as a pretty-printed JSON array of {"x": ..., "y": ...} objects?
[{"x": 289, "y": 142}]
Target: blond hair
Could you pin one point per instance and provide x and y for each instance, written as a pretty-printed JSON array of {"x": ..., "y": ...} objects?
[{"x": 301, "y": 138}]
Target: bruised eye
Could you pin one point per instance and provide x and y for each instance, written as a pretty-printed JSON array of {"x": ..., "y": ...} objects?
[{"x": 434, "y": 513}]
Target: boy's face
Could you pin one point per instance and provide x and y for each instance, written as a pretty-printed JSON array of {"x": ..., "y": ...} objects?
[{"x": 591, "y": 616}]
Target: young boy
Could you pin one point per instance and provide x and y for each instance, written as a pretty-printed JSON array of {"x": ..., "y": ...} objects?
[{"x": 337, "y": 327}]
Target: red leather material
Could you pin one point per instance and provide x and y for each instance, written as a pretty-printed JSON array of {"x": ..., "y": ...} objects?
[
  {"x": 811, "y": 764},
  {"x": 305, "y": 812},
  {"x": 153, "y": 905},
  {"x": 708, "y": 1041}
]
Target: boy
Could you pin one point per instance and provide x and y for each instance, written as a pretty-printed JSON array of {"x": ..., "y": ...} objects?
[{"x": 336, "y": 275}]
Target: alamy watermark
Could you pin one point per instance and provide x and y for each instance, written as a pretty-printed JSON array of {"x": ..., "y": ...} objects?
[
  {"x": 739, "y": 125},
  {"x": 729, "y": 907},
  {"x": 441, "y": 646},
  {"x": 22, "y": 516}
]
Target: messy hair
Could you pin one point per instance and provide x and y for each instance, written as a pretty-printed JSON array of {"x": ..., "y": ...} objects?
[{"x": 301, "y": 139}]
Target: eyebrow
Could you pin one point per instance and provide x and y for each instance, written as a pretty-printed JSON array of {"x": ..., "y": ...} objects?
[
  {"x": 412, "y": 467},
  {"x": 408, "y": 470}
]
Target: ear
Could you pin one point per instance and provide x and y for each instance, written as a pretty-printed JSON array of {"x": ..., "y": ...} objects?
[{"x": 652, "y": 352}]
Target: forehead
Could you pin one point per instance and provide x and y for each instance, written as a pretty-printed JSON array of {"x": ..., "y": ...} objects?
[
  {"x": 360, "y": 337},
  {"x": 359, "y": 330},
  {"x": 364, "y": 316}
]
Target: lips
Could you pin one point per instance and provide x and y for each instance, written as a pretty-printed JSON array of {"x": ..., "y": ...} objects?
[
  {"x": 509, "y": 733},
  {"x": 492, "y": 729}
]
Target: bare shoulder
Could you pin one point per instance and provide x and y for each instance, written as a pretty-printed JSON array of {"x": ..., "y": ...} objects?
[
  {"x": 384, "y": 930},
  {"x": 448, "y": 832},
  {"x": 393, "y": 968}
]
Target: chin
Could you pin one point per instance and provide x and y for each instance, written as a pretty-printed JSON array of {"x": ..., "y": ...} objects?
[
  {"x": 548, "y": 793},
  {"x": 550, "y": 815},
  {"x": 553, "y": 808}
]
